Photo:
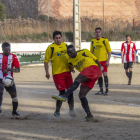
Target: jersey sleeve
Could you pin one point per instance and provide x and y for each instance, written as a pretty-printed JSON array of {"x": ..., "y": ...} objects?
[
  {"x": 16, "y": 62},
  {"x": 70, "y": 64},
  {"x": 89, "y": 54},
  {"x": 48, "y": 54},
  {"x": 91, "y": 46},
  {"x": 122, "y": 47},
  {"x": 134, "y": 47},
  {"x": 107, "y": 45}
]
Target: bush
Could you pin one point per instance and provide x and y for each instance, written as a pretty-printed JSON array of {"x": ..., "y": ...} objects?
[{"x": 2, "y": 12}]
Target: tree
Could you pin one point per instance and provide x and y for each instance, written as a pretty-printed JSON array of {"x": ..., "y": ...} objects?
[{"x": 2, "y": 12}]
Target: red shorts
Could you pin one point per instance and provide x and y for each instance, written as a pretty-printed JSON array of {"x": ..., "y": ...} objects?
[
  {"x": 93, "y": 73},
  {"x": 63, "y": 80},
  {"x": 104, "y": 66}
]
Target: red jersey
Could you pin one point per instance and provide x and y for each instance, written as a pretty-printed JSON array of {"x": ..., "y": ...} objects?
[
  {"x": 9, "y": 61},
  {"x": 128, "y": 50}
]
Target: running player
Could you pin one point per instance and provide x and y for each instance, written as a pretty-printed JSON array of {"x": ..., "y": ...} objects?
[
  {"x": 87, "y": 64},
  {"x": 7, "y": 62},
  {"x": 127, "y": 50},
  {"x": 101, "y": 49},
  {"x": 57, "y": 52}
]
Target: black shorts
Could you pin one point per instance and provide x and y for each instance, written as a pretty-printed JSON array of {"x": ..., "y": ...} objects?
[
  {"x": 128, "y": 65},
  {"x": 11, "y": 89}
]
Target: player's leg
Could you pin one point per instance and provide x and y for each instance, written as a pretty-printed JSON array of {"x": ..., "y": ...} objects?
[
  {"x": 130, "y": 72},
  {"x": 1, "y": 94},
  {"x": 59, "y": 80},
  {"x": 79, "y": 79},
  {"x": 126, "y": 67},
  {"x": 106, "y": 82},
  {"x": 84, "y": 102},
  {"x": 13, "y": 93}
]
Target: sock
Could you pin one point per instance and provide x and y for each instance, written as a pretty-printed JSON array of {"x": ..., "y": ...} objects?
[
  {"x": 130, "y": 76},
  {"x": 84, "y": 103},
  {"x": 1, "y": 97},
  {"x": 59, "y": 103},
  {"x": 106, "y": 83},
  {"x": 15, "y": 106},
  {"x": 73, "y": 87},
  {"x": 100, "y": 81},
  {"x": 71, "y": 101},
  {"x": 127, "y": 74}
]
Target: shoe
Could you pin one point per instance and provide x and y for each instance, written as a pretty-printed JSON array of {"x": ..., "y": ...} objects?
[
  {"x": 106, "y": 93},
  {"x": 0, "y": 109},
  {"x": 16, "y": 115},
  {"x": 60, "y": 97},
  {"x": 72, "y": 113},
  {"x": 89, "y": 118},
  {"x": 99, "y": 93},
  {"x": 129, "y": 82},
  {"x": 56, "y": 114}
]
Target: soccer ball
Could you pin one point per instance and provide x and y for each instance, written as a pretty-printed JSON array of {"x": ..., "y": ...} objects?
[{"x": 8, "y": 81}]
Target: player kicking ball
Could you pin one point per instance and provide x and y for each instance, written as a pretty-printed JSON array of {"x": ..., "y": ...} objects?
[
  {"x": 7, "y": 62},
  {"x": 90, "y": 70}
]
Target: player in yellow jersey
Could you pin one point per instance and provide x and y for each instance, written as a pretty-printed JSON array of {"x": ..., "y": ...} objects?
[
  {"x": 101, "y": 49},
  {"x": 57, "y": 53},
  {"x": 90, "y": 70}
]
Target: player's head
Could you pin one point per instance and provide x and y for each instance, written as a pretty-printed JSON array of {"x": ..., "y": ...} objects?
[
  {"x": 6, "y": 48},
  {"x": 128, "y": 38},
  {"x": 98, "y": 32},
  {"x": 71, "y": 51},
  {"x": 57, "y": 37}
]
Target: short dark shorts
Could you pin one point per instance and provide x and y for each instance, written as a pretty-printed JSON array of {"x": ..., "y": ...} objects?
[
  {"x": 11, "y": 89},
  {"x": 128, "y": 65}
]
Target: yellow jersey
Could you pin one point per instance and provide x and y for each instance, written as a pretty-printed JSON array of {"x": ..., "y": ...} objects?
[
  {"x": 83, "y": 59},
  {"x": 59, "y": 58},
  {"x": 100, "y": 48}
]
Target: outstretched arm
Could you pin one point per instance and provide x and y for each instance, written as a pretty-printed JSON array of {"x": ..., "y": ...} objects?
[{"x": 16, "y": 70}]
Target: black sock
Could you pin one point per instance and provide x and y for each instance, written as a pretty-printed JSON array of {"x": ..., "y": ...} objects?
[
  {"x": 127, "y": 74},
  {"x": 59, "y": 103},
  {"x": 71, "y": 101},
  {"x": 15, "y": 106},
  {"x": 1, "y": 97},
  {"x": 106, "y": 83},
  {"x": 85, "y": 105},
  {"x": 73, "y": 87},
  {"x": 100, "y": 81},
  {"x": 130, "y": 76}
]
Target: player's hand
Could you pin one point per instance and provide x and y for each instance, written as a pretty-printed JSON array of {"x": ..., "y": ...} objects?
[
  {"x": 101, "y": 68},
  {"x": 122, "y": 61},
  {"x": 72, "y": 70},
  {"x": 5, "y": 71},
  {"x": 107, "y": 63},
  {"x": 134, "y": 61},
  {"x": 48, "y": 75}
]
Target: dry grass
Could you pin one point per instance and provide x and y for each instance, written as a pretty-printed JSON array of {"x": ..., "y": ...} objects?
[{"x": 115, "y": 29}]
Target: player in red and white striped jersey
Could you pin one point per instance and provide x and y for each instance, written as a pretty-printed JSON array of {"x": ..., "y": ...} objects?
[
  {"x": 128, "y": 49},
  {"x": 8, "y": 64}
]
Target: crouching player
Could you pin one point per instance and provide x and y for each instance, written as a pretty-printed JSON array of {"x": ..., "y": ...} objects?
[
  {"x": 7, "y": 62},
  {"x": 90, "y": 70}
]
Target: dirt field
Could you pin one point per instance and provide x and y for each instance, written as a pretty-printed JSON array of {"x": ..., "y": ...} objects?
[{"x": 118, "y": 113}]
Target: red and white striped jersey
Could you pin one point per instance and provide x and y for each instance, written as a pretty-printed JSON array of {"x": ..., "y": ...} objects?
[
  {"x": 128, "y": 50},
  {"x": 9, "y": 61}
]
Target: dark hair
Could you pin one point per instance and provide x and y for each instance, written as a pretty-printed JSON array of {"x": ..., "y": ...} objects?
[
  {"x": 5, "y": 44},
  {"x": 128, "y": 36},
  {"x": 56, "y": 33},
  {"x": 70, "y": 46},
  {"x": 98, "y": 28}
]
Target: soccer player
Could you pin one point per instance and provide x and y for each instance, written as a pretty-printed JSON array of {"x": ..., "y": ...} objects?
[
  {"x": 57, "y": 52},
  {"x": 100, "y": 47},
  {"x": 127, "y": 50},
  {"x": 8, "y": 64},
  {"x": 88, "y": 66}
]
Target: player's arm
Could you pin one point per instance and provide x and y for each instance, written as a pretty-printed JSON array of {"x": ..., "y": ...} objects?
[
  {"x": 71, "y": 67},
  {"x": 98, "y": 63},
  {"x": 134, "y": 54},
  {"x": 16, "y": 70},
  {"x": 46, "y": 61},
  {"x": 108, "y": 51},
  {"x": 91, "y": 47},
  {"x": 122, "y": 53}
]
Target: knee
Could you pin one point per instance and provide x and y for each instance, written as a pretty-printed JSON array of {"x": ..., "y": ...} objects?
[
  {"x": 15, "y": 99},
  {"x": 81, "y": 96}
]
